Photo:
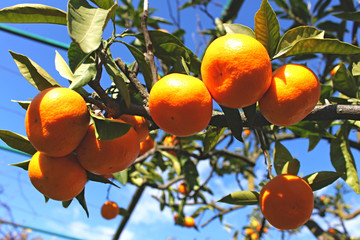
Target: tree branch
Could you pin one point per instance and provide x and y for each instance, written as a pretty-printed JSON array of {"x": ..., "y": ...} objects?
[{"x": 149, "y": 55}]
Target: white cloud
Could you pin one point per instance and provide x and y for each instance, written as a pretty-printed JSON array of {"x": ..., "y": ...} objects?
[
  {"x": 148, "y": 210},
  {"x": 85, "y": 231},
  {"x": 127, "y": 235}
]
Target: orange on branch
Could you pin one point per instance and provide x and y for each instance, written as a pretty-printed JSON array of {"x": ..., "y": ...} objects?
[
  {"x": 170, "y": 141},
  {"x": 58, "y": 178},
  {"x": 56, "y": 121},
  {"x": 109, "y": 210},
  {"x": 189, "y": 222},
  {"x": 236, "y": 69},
  {"x": 286, "y": 201},
  {"x": 139, "y": 123},
  {"x": 293, "y": 94},
  {"x": 107, "y": 157},
  {"x": 146, "y": 145},
  {"x": 182, "y": 188},
  {"x": 180, "y": 104}
]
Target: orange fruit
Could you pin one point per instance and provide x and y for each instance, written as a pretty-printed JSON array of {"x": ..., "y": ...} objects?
[
  {"x": 254, "y": 236},
  {"x": 170, "y": 141},
  {"x": 236, "y": 69},
  {"x": 286, "y": 201},
  {"x": 146, "y": 145},
  {"x": 58, "y": 178},
  {"x": 107, "y": 157},
  {"x": 182, "y": 188},
  {"x": 56, "y": 121},
  {"x": 334, "y": 70},
  {"x": 180, "y": 104},
  {"x": 189, "y": 222},
  {"x": 248, "y": 231},
  {"x": 332, "y": 231},
  {"x": 247, "y": 132},
  {"x": 109, "y": 210},
  {"x": 139, "y": 123},
  {"x": 293, "y": 94}
]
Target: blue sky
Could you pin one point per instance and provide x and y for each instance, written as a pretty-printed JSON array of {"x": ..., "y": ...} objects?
[{"x": 147, "y": 222}]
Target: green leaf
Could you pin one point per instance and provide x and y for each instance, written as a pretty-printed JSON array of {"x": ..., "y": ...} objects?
[
  {"x": 33, "y": 73},
  {"x": 144, "y": 65},
  {"x": 180, "y": 67},
  {"x": 267, "y": 28},
  {"x": 313, "y": 45},
  {"x": 349, "y": 16},
  {"x": 241, "y": 198},
  {"x": 174, "y": 160},
  {"x": 212, "y": 136},
  {"x": 309, "y": 129},
  {"x": 342, "y": 159},
  {"x": 355, "y": 69},
  {"x": 291, "y": 167},
  {"x": 81, "y": 200},
  {"x": 86, "y": 24},
  {"x": 238, "y": 28},
  {"x": 106, "y": 129},
  {"x": 62, "y": 67},
  {"x": 99, "y": 178},
  {"x": 294, "y": 35},
  {"x": 344, "y": 82},
  {"x": 17, "y": 141},
  {"x": 32, "y": 13},
  {"x": 24, "y": 165},
  {"x": 281, "y": 157},
  {"x": 118, "y": 78},
  {"x": 313, "y": 141},
  {"x": 322, "y": 179},
  {"x": 250, "y": 113},
  {"x": 66, "y": 204},
  {"x": 83, "y": 75},
  {"x": 168, "y": 47},
  {"x": 234, "y": 121},
  {"x": 105, "y": 4},
  {"x": 191, "y": 174},
  {"x": 121, "y": 176},
  {"x": 23, "y": 104},
  {"x": 76, "y": 56}
]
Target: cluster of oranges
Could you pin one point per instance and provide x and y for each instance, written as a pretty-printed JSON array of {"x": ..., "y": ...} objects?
[
  {"x": 58, "y": 125},
  {"x": 252, "y": 231},
  {"x": 187, "y": 221},
  {"x": 236, "y": 72}
]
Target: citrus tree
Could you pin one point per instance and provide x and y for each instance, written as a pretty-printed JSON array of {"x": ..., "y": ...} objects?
[{"x": 232, "y": 106}]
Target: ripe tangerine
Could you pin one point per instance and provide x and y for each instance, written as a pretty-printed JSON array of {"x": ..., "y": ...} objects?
[
  {"x": 180, "y": 104},
  {"x": 286, "y": 201}
]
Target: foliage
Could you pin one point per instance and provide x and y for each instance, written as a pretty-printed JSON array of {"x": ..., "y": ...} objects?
[{"x": 315, "y": 33}]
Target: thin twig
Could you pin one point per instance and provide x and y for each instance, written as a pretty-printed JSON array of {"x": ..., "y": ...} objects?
[
  {"x": 133, "y": 79},
  {"x": 149, "y": 55}
]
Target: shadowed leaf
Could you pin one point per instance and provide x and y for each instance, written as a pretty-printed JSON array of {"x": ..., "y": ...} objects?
[
  {"x": 238, "y": 28},
  {"x": 322, "y": 179},
  {"x": 234, "y": 121},
  {"x": 24, "y": 165},
  {"x": 17, "y": 142},
  {"x": 281, "y": 157},
  {"x": 344, "y": 82}
]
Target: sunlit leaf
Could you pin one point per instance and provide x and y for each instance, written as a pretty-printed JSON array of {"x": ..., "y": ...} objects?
[
  {"x": 86, "y": 24},
  {"x": 322, "y": 179},
  {"x": 291, "y": 167},
  {"x": 121, "y": 176},
  {"x": 267, "y": 28},
  {"x": 241, "y": 198},
  {"x": 23, "y": 104},
  {"x": 83, "y": 75},
  {"x": 62, "y": 67},
  {"x": 238, "y": 28},
  {"x": 33, "y": 73},
  {"x": 105, "y": 4},
  {"x": 17, "y": 142},
  {"x": 174, "y": 160},
  {"x": 32, "y": 13},
  {"x": 342, "y": 158},
  {"x": 314, "y": 45}
]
